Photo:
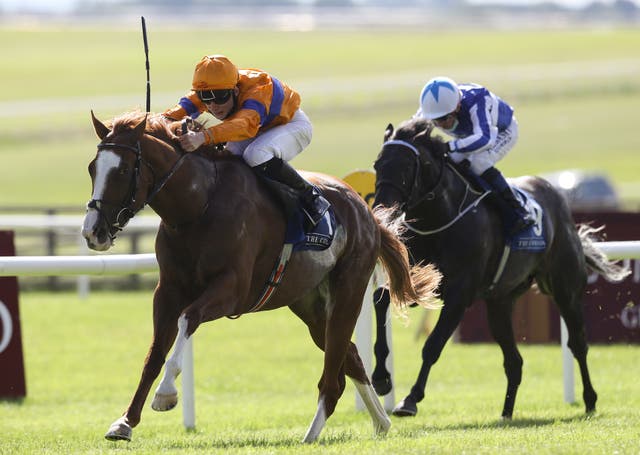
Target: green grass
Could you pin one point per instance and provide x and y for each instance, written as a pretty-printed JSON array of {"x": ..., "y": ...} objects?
[
  {"x": 255, "y": 382},
  {"x": 575, "y": 93}
]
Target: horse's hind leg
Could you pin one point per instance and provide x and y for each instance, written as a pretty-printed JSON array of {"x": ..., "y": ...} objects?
[
  {"x": 332, "y": 332},
  {"x": 499, "y": 316},
  {"x": 569, "y": 303},
  {"x": 381, "y": 378},
  {"x": 358, "y": 375}
]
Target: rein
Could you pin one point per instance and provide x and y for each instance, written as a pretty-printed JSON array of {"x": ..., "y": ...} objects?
[{"x": 430, "y": 194}]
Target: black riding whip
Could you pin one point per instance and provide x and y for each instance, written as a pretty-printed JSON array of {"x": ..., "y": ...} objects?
[{"x": 146, "y": 54}]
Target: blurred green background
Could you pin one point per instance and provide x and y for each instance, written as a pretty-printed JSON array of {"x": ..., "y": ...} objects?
[{"x": 576, "y": 93}]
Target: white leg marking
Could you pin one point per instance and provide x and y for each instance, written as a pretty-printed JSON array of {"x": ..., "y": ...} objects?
[
  {"x": 166, "y": 396},
  {"x": 380, "y": 419},
  {"x": 317, "y": 424}
]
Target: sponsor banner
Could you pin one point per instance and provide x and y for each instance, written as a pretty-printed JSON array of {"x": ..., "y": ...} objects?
[{"x": 12, "y": 382}]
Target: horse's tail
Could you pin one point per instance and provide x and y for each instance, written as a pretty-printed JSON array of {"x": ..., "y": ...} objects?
[
  {"x": 597, "y": 260},
  {"x": 407, "y": 284}
]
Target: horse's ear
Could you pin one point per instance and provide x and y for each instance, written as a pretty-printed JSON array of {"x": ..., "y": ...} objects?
[
  {"x": 139, "y": 130},
  {"x": 101, "y": 129},
  {"x": 423, "y": 137},
  {"x": 388, "y": 132}
]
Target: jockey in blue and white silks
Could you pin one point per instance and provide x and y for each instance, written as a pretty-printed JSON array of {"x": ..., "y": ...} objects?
[{"x": 483, "y": 130}]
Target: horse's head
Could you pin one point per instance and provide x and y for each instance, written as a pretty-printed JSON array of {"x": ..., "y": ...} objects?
[
  {"x": 116, "y": 180},
  {"x": 409, "y": 165}
]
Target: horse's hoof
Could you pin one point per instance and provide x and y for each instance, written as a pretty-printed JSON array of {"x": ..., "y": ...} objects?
[
  {"x": 164, "y": 402},
  {"x": 406, "y": 408},
  {"x": 382, "y": 386},
  {"x": 119, "y": 430}
]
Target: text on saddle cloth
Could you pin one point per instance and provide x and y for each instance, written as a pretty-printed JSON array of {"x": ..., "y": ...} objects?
[{"x": 532, "y": 238}]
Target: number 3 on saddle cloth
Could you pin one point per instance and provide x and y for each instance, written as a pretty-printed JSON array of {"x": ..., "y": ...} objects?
[
  {"x": 299, "y": 236},
  {"x": 533, "y": 238}
]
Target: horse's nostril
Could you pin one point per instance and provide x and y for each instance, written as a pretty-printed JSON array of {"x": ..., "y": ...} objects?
[{"x": 101, "y": 234}]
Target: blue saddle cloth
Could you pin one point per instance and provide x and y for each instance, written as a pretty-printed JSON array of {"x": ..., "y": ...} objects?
[
  {"x": 318, "y": 238},
  {"x": 533, "y": 238}
]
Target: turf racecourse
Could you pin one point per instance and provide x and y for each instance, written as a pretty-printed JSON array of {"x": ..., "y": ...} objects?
[
  {"x": 575, "y": 93},
  {"x": 255, "y": 381}
]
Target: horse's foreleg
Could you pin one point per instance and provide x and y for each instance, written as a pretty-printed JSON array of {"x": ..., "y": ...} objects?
[
  {"x": 164, "y": 333},
  {"x": 166, "y": 396},
  {"x": 449, "y": 318},
  {"x": 499, "y": 317},
  {"x": 381, "y": 378},
  {"x": 122, "y": 428}
]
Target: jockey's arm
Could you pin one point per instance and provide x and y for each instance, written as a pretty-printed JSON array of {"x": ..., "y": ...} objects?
[{"x": 483, "y": 135}]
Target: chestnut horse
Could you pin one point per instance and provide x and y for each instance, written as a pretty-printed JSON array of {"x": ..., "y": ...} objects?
[
  {"x": 220, "y": 236},
  {"x": 453, "y": 227}
]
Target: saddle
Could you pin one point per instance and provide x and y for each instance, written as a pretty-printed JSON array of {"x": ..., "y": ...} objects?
[
  {"x": 298, "y": 232},
  {"x": 531, "y": 239}
]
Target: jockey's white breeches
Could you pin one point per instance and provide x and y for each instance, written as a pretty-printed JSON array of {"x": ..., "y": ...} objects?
[
  {"x": 282, "y": 141},
  {"x": 482, "y": 160}
]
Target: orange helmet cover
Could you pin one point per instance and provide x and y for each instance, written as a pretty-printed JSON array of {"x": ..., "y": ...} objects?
[{"x": 215, "y": 72}]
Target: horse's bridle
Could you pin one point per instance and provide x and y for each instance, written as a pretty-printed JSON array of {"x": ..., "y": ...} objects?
[
  {"x": 127, "y": 210},
  {"x": 431, "y": 193},
  {"x": 415, "y": 187}
]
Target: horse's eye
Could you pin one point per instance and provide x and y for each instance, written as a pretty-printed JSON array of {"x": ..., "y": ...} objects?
[{"x": 124, "y": 170}]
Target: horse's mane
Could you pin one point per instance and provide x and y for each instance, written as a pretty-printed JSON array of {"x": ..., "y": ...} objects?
[
  {"x": 421, "y": 130},
  {"x": 159, "y": 128},
  {"x": 154, "y": 127},
  {"x": 410, "y": 128}
]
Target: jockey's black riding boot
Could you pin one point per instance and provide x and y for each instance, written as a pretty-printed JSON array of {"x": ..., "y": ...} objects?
[
  {"x": 508, "y": 200},
  {"x": 313, "y": 203}
]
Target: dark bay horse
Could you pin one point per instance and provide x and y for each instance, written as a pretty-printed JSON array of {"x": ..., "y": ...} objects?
[
  {"x": 220, "y": 236},
  {"x": 466, "y": 242}
]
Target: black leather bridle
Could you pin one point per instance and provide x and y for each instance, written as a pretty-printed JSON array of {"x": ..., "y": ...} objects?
[
  {"x": 414, "y": 191},
  {"x": 126, "y": 209}
]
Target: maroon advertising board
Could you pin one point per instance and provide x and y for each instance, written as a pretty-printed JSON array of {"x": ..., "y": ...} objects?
[
  {"x": 12, "y": 382},
  {"x": 611, "y": 310}
]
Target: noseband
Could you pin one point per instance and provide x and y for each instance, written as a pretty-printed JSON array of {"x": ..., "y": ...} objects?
[{"x": 415, "y": 187}]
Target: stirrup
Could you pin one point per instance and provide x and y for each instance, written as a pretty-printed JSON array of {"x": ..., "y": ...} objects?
[{"x": 316, "y": 209}]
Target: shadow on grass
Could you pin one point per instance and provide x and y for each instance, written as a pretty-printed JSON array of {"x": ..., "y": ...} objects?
[
  {"x": 527, "y": 422},
  {"x": 14, "y": 401},
  {"x": 247, "y": 440}
]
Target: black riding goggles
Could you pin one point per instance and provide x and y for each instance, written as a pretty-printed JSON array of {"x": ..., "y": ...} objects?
[
  {"x": 444, "y": 118},
  {"x": 215, "y": 96}
]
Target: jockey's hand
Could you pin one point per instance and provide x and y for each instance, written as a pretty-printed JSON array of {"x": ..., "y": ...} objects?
[
  {"x": 191, "y": 141},
  {"x": 457, "y": 157}
]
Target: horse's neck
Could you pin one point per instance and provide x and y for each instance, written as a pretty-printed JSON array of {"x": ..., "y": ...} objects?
[
  {"x": 186, "y": 186},
  {"x": 451, "y": 194}
]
